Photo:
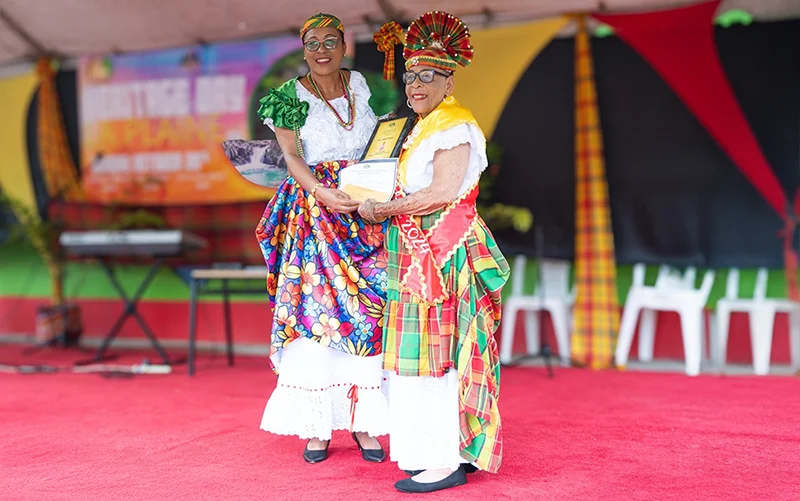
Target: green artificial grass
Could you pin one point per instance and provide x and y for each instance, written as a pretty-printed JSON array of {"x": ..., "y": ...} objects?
[
  {"x": 776, "y": 285},
  {"x": 22, "y": 273}
]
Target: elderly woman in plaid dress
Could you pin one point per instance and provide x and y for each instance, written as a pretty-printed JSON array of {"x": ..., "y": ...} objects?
[{"x": 445, "y": 277}]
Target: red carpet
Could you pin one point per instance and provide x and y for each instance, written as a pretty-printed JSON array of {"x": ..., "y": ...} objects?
[{"x": 581, "y": 436}]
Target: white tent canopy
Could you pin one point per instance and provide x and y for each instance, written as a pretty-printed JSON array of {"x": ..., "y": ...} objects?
[{"x": 69, "y": 28}]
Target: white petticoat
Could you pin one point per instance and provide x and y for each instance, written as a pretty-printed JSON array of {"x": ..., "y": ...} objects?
[
  {"x": 424, "y": 422},
  {"x": 311, "y": 398}
]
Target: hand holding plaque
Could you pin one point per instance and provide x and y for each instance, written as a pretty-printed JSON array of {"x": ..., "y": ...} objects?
[
  {"x": 262, "y": 162},
  {"x": 375, "y": 176}
]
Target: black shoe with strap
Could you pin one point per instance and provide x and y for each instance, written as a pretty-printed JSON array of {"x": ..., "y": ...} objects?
[
  {"x": 371, "y": 455},
  {"x": 319, "y": 456},
  {"x": 458, "y": 477},
  {"x": 468, "y": 468}
]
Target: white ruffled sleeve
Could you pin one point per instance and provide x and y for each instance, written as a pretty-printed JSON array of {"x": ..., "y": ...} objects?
[
  {"x": 359, "y": 85},
  {"x": 420, "y": 168},
  {"x": 452, "y": 137},
  {"x": 362, "y": 94}
]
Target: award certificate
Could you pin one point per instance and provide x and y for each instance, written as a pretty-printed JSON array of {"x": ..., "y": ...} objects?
[
  {"x": 370, "y": 179},
  {"x": 387, "y": 138}
]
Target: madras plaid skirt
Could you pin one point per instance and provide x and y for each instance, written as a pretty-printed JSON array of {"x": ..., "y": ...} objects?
[{"x": 428, "y": 340}]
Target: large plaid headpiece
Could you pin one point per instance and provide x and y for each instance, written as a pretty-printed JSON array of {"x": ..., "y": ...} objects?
[{"x": 439, "y": 40}]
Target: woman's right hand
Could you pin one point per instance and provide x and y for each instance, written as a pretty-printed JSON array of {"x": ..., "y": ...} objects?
[{"x": 336, "y": 200}]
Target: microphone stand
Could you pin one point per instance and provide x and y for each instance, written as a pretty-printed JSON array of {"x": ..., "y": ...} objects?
[{"x": 545, "y": 352}]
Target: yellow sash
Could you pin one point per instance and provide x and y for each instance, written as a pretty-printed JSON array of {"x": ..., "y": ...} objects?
[{"x": 445, "y": 116}]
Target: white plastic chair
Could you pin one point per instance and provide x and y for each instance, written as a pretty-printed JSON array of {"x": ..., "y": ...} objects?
[
  {"x": 557, "y": 301},
  {"x": 670, "y": 293},
  {"x": 761, "y": 311}
]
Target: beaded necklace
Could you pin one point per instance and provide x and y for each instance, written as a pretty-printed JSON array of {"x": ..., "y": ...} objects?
[{"x": 350, "y": 102}]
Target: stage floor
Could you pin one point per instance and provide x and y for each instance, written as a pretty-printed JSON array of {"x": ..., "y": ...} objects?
[{"x": 579, "y": 436}]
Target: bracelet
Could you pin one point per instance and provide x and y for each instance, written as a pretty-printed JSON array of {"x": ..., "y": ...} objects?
[
  {"x": 314, "y": 190},
  {"x": 365, "y": 210},
  {"x": 370, "y": 209}
]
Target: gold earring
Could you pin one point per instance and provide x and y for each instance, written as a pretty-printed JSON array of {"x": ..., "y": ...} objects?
[{"x": 448, "y": 99}]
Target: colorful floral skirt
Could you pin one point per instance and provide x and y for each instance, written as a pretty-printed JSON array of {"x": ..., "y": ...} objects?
[{"x": 327, "y": 271}]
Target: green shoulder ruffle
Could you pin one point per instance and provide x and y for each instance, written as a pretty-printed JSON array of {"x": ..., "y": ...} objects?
[{"x": 282, "y": 106}]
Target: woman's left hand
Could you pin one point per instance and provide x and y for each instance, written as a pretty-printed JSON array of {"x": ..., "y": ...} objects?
[{"x": 367, "y": 211}]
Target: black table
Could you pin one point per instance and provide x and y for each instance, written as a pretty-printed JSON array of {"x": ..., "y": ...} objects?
[{"x": 199, "y": 285}]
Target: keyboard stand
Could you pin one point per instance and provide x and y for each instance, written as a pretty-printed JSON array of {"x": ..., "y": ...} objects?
[
  {"x": 129, "y": 310},
  {"x": 104, "y": 246}
]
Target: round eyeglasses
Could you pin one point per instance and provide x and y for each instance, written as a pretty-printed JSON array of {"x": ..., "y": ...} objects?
[
  {"x": 425, "y": 76},
  {"x": 328, "y": 43}
]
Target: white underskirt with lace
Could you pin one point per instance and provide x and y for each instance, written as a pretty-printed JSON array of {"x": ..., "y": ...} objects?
[
  {"x": 311, "y": 398},
  {"x": 424, "y": 422}
]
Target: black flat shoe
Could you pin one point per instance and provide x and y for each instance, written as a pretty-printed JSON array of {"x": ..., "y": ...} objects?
[
  {"x": 458, "y": 477},
  {"x": 468, "y": 468},
  {"x": 316, "y": 456},
  {"x": 371, "y": 455}
]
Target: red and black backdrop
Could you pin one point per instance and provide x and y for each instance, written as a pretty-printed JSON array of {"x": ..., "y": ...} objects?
[{"x": 675, "y": 195}]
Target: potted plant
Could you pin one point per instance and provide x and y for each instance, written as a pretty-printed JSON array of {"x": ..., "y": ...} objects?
[
  {"x": 58, "y": 322},
  {"x": 499, "y": 216}
]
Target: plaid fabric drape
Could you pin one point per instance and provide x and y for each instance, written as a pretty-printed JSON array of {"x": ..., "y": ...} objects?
[
  {"x": 596, "y": 311},
  {"x": 60, "y": 173}
]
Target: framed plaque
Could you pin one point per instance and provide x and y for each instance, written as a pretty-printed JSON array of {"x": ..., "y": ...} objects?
[{"x": 387, "y": 138}]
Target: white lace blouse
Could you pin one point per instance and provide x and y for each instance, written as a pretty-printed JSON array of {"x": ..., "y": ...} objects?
[
  {"x": 419, "y": 168},
  {"x": 322, "y": 137}
]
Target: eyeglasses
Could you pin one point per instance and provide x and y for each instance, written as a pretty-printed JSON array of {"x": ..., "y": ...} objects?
[
  {"x": 425, "y": 76},
  {"x": 314, "y": 45}
]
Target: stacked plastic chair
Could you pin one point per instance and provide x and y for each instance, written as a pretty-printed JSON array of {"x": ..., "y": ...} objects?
[
  {"x": 761, "y": 311},
  {"x": 670, "y": 293}
]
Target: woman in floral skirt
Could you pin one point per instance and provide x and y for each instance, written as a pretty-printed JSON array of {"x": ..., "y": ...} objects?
[{"x": 327, "y": 278}]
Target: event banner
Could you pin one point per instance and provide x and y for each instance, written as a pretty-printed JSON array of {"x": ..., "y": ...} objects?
[{"x": 153, "y": 124}]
